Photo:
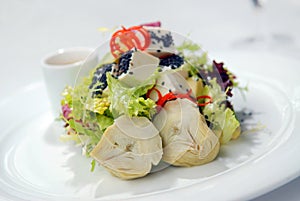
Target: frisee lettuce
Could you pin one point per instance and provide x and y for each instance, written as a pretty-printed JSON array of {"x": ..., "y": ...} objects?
[
  {"x": 93, "y": 165},
  {"x": 67, "y": 95},
  {"x": 98, "y": 105},
  {"x": 222, "y": 118},
  {"x": 196, "y": 60},
  {"x": 130, "y": 100},
  {"x": 104, "y": 121},
  {"x": 90, "y": 117},
  {"x": 230, "y": 124},
  {"x": 189, "y": 46},
  {"x": 94, "y": 133}
]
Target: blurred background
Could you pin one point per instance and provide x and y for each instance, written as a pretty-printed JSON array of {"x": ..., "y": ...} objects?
[{"x": 32, "y": 28}]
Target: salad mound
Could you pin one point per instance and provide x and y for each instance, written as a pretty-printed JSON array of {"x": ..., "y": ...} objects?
[{"x": 152, "y": 101}]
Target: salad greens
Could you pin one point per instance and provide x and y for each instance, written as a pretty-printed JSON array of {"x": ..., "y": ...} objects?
[
  {"x": 218, "y": 84},
  {"x": 130, "y": 100},
  {"x": 87, "y": 117},
  {"x": 221, "y": 117},
  {"x": 195, "y": 60}
]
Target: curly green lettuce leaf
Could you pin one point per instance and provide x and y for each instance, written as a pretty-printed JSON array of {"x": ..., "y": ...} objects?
[
  {"x": 104, "y": 121},
  {"x": 195, "y": 59},
  {"x": 141, "y": 107},
  {"x": 222, "y": 118},
  {"x": 188, "y": 45},
  {"x": 130, "y": 100},
  {"x": 98, "y": 105},
  {"x": 93, "y": 133},
  {"x": 81, "y": 96},
  {"x": 89, "y": 116},
  {"x": 67, "y": 95},
  {"x": 93, "y": 165},
  {"x": 230, "y": 124},
  {"x": 85, "y": 107}
]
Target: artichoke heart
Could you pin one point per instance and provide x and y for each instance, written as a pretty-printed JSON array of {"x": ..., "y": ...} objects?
[
  {"x": 129, "y": 147},
  {"x": 187, "y": 140}
]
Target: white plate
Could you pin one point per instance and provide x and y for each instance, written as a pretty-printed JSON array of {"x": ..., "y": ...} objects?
[{"x": 35, "y": 165}]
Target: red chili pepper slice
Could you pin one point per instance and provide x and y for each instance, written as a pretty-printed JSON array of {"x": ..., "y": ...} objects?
[
  {"x": 168, "y": 97},
  {"x": 204, "y": 97},
  {"x": 122, "y": 41},
  {"x": 172, "y": 96},
  {"x": 126, "y": 39},
  {"x": 156, "y": 90},
  {"x": 187, "y": 96},
  {"x": 146, "y": 37}
]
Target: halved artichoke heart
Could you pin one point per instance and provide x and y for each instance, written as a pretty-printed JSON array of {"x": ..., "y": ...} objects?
[
  {"x": 129, "y": 147},
  {"x": 187, "y": 140}
]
